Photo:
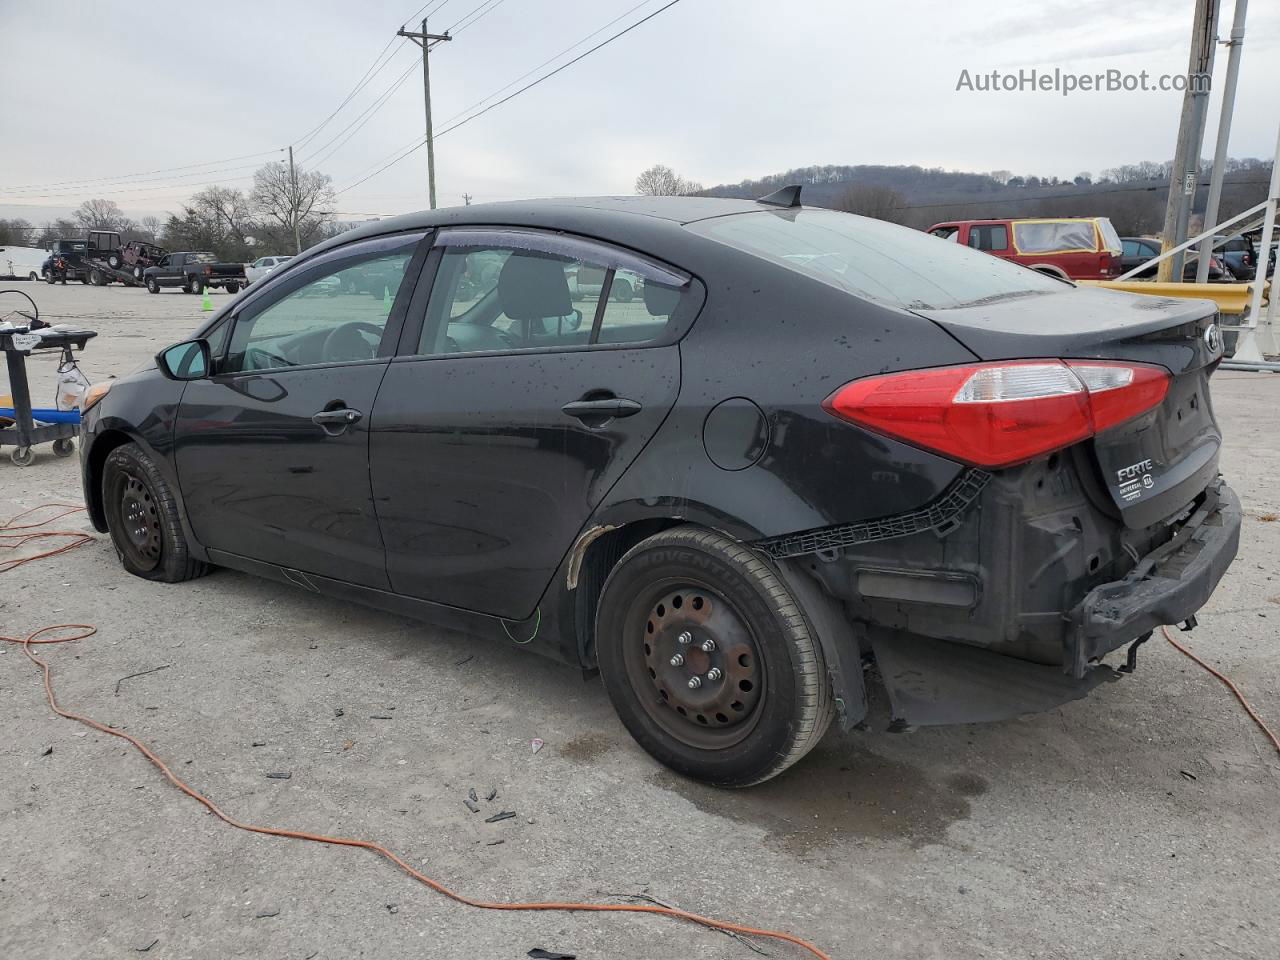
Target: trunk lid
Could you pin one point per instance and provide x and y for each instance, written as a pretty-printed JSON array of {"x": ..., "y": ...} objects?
[{"x": 1154, "y": 466}]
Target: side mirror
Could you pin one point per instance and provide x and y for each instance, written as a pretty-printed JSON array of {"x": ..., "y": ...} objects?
[
  {"x": 574, "y": 320},
  {"x": 185, "y": 361}
]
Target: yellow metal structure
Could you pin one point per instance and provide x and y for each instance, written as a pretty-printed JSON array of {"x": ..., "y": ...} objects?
[{"x": 1232, "y": 298}]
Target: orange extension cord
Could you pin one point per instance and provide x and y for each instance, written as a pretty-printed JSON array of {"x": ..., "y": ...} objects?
[
  {"x": 82, "y": 630},
  {"x": 1275, "y": 742}
]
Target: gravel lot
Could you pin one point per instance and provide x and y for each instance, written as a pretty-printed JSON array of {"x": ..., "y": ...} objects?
[{"x": 1138, "y": 823}]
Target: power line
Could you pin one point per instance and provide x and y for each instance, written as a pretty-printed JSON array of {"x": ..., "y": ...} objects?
[
  {"x": 141, "y": 173},
  {"x": 368, "y": 76},
  {"x": 363, "y": 118},
  {"x": 549, "y": 60},
  {"x": 511, "y": 96},
  {"x": 464, "y": 22}
]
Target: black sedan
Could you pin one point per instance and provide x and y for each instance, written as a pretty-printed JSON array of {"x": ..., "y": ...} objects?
[{"x": 809, "y": 440}]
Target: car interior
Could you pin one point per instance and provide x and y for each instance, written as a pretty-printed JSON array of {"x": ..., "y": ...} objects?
[{"x": 528, "y": 303}]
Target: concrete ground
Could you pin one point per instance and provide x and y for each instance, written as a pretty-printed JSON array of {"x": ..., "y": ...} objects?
[{"x": 1139, "y": 823}]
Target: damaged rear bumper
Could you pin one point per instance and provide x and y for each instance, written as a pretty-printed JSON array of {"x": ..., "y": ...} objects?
[
  {"x": 932, "y": 681},
  {"x": 1167, "y": 586}
]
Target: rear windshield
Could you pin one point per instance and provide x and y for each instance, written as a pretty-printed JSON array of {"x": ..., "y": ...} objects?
[
  {"x": 1055, "y": 236},
  {"x": 201, "y": 258},
  {"x": 876, "y": 260}
]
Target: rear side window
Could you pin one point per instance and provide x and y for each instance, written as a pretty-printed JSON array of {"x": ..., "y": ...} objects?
[
  {"x": 1055, "y": 236},
  {"x": 875, "y": 260},
  {"x": 512, "y": 290},
  {"x": 989, "y": 236}
]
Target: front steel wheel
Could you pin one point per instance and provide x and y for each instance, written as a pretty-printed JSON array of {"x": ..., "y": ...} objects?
[
  {"x": 709, "y": 660},
  {"x": 142, "y": 517}
]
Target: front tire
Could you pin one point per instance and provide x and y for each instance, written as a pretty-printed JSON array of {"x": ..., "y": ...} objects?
[
  {"x": 142, "y": 517},
  {"x": 690, "y": 604},
  {"x": 152, "y": 286}
]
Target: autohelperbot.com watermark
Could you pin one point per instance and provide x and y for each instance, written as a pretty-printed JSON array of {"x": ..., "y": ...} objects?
[{"x": 1066, "y": 82}]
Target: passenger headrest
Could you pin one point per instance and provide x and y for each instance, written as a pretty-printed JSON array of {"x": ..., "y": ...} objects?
[
  {"x": 532, "y": 287},
  {"x": 659, "y": 300}
]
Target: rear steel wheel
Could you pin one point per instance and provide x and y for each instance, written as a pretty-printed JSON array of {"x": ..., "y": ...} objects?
[
  {"x": 700, "y": 658},
  {"x": 709, "y": 659}
]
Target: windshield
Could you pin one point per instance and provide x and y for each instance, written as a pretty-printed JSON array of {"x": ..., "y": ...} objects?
[{"x": 874, "y": 259}]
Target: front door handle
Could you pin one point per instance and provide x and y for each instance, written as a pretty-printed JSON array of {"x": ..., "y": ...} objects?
[
  {"x": 335, "y": 422},
  {"x": 592, "y": 412}
]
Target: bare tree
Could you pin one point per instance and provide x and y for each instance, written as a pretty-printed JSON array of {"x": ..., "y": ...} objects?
[
  {"x": 99, "y": 215},
  {"x": 882, "y": 203},
  {"x": 17, "y": 233},
  {"x": 301, "y": 201},
  {"x": 150, "y": 227},
  {"x": 661, "y": 181}
]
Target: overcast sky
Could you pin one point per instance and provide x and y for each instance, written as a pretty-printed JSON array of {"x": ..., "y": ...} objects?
[{"x": 721, "y": 90}]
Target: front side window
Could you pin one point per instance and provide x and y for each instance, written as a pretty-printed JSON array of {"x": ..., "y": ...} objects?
[
  {"x": 499, "y": 291},
  {"x": 336, "y": 315},
  {"x": 874, "y": 259}
]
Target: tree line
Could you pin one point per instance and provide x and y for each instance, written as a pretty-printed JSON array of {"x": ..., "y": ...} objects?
[{"x": 284, "y": 212}]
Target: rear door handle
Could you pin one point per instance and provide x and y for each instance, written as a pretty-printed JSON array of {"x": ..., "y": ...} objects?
[{"x": 606, "y": 408}]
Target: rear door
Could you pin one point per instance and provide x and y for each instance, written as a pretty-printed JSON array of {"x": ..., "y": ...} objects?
[
  {"x": 515, "y": 406},
  {"x": 273, "y": 449}
]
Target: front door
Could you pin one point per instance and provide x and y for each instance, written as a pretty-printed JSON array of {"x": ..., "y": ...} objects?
[
  {"x": 272, "y": 450},
  {"x": 516, "y": 409}
]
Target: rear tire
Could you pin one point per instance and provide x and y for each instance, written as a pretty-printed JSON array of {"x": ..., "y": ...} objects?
[
  {"x": 114, "y": 261},
  {"x": 33, "y": 276},
  {"x": 233, "y": 288},
  {"x": 96, "y": 279},
  {"x": 763, "y": 698},
  {"x": 50, "y": 278},
  {"x": 623, "y": 291},
  {"x": 142, "y": 517}
]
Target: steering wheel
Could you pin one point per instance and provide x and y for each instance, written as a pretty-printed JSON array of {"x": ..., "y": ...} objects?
[{"x": 347, "y": 342}]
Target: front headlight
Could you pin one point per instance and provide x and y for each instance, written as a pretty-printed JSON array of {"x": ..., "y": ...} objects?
[{"x": 94, "y": 394}]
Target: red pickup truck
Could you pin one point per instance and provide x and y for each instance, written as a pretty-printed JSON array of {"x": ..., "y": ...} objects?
[{"x": 1074, "y": 248}]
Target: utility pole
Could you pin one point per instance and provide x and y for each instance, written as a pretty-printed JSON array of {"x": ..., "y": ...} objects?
[
  {"x": 1186, "y": 156},
  {"x": 1235, "y": 47},
  {"x": 423, "y": 40},
  {"x": 293, "y": 201},
  {"x": 466, "y": 199}
]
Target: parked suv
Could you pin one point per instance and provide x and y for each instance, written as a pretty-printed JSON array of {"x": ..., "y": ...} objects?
[
  {"x": 1071, "y": 248},
  {"x": 814, "y": 439},
  {"x": 138, "y": 255}
]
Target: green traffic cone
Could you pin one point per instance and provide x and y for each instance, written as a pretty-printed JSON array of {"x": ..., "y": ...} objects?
[{"x": 206, "y": 304}]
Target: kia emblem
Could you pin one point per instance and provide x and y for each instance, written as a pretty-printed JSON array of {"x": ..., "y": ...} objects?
[{"x": 1213, "y": 338}]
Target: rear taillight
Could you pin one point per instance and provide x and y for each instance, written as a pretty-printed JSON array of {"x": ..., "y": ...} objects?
[{"x": 999, "y": 414}]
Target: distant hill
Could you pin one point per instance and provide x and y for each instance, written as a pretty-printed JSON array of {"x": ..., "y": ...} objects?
[{"x": 1132, "y": 196}]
